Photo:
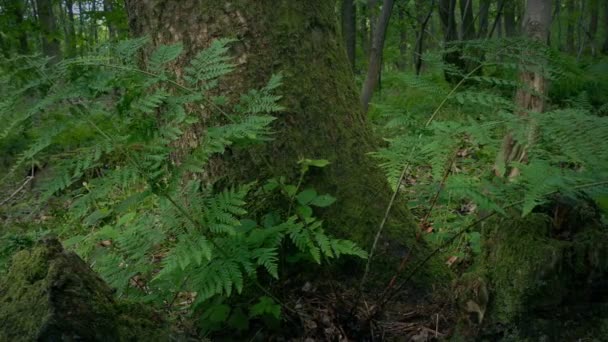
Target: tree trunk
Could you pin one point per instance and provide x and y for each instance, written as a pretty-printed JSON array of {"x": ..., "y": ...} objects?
[
  {"x": 570, "y": 6},
  {"x": 594, "y": 8},
  {"x": 375, "y": 54},
  {"x": 93, "y": 22},
  {"x": 531, "y": 97},
  {"x": 402, "y": 62},
  {"x": 81, "y": 28},
  {"x": 468, "y": 21},
  {"x": 363, "y": 30},
  {"x": 71, "y": 35},
  {"x": 372, "y": 12},
  {"x": 17, "y": 9},
  {"x": 349, "y": 29},
  {"x": 484, "y": 16},
  {"x": 322, "y": 120},
  {"x": 48, "y": 29},
  {"x": 450, "y": 35},
  {"x": 108, "y": 7},
  {"x": 605, "y": 46},
  {"x": 509, "y": 18},
  {"x": 423, "y": 21}
]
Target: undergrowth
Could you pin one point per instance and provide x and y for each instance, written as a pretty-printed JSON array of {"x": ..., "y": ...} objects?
[
  {"x": 106, "y": 136},
  {"x": 448, "y": 137}
]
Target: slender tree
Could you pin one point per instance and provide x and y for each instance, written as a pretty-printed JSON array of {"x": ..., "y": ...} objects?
[
  {"x": 364, "y": 29},
  {"x": 402, "y": 62},
  {"x": 322, "y": 117},
  {"x": 509, "y": 18},
  {"x": 450, "y": 36},
  {"x": 605, "y": 22},
  {"x": 484, "y": 17},
  {"x": 48, "y": 30},
  {"x": 375, "y": 55},
  {"x": 71, "y": 29},
  {"x": 594, "y": 9},
  {"x": 349, "y": 29},
  {"x": 530, "y": 97},
  {"x": 423, "y": 22},
  {"x": 108, "y": 9},
  {"x": 571, "y": 13},
  {"x": 14, "y": 27},
  {"x": 468, "y": 20}
]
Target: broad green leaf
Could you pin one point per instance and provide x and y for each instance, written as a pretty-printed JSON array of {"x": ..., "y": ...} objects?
[
  {"x": 306, "y": 196},
  {"x": 323, "y": 201}
]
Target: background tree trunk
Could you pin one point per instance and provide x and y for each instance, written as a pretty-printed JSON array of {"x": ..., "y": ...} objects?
[
  {"x": 363, "y": 30},
  {"x": 570, "y": 6},
  {"x": 605, "y": 22},
  {"x": 323, "y": 118},
  {"x": 484, "y": 17},
  {"x": 531, "y": 98},
  {"x": 468, "y": 20},
  {"x": 108, "y": 8},
  {"x": 450, "y": 34},
  {"x": 375, "y": 55},
  {"x": 48, "y": 29},
  {"x": 423, "y": 22},
  {"x": 71, "y": 30},
  {"x": 18, "y": 9},
  {"x": 509, "y": 18},
  {"x": 402, "y": 62}
]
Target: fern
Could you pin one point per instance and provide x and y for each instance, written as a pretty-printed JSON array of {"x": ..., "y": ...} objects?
[
  {"x": 469, "y": 124},
  {"x": 109, "y": 129}
]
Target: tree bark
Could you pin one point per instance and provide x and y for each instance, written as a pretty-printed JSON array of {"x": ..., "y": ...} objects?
[
  {"x": 71, "y": 30},
  {"x": 570, "y": 6},
  {"x": 484, "y": 16},
  {"x": 323, "y": 118},
  {"x": 402, "y": 62},
  {"x": 420, "y": 39},
  {"x": 468, "y": 20},
  {"x": 372, "y": 12},
  {"x": 531, "y": 97},
  {"x": 605, "y": 45},
  {"x": 450, "y": 35},
  {"x": 48, "y": 29},
  {"x": 375, "y": 55},
  {"x": 594, "y": 18},
  {"x": 349, "y": 29},
  {"x": 18, "y": 7},
  {"x": 509, "y": 18},
  {"x": 108, "y": 8}
]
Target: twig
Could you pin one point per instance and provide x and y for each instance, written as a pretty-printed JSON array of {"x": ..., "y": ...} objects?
[
  {"x": 27, "y": 180},
  {"x": 406, "y": 258}
]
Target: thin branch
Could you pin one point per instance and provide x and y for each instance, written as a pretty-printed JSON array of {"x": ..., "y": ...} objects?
[{"x": 27, "y": 180}]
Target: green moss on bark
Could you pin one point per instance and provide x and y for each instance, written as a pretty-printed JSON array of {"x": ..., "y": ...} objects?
[
  {"x": 322, "y": 120},
  {"x": 542, "y": 281},
  {"x": 51, "y": 295}
]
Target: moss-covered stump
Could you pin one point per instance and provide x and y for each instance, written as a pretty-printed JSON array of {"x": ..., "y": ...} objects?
[
  {"x": 52, "y": 295},
  {"x": 542, "y": 277}
]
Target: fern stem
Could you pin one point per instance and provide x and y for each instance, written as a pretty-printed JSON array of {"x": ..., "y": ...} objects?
[{"x": 226, "y": 255}]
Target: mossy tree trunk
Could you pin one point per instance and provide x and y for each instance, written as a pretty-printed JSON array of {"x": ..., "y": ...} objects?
[
  {"x": 322, "y": 120},
  {"x": 349, "y": 29}
]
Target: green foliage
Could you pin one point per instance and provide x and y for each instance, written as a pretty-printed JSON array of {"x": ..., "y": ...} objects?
[
  {"x": 112, "y": 135},
  {"x": 449, "y": 137}
]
